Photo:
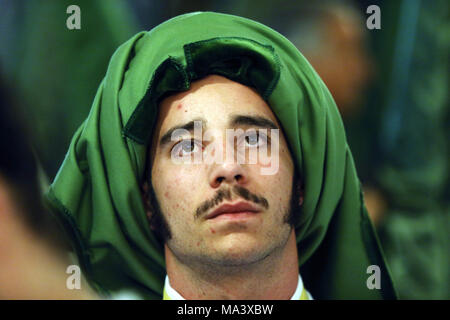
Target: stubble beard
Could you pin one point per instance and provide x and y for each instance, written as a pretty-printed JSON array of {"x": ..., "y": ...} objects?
[{"x": 213, "y": 261}]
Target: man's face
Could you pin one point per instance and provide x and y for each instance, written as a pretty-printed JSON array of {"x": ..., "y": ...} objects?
[
  {"x": 189, "y": 193},
  {"x": 346, "y": 67}
]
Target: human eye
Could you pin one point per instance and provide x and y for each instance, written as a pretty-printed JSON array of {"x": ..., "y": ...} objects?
[
  {"x": 186, "y": 147},
  {"x": 255, "y": 139}
]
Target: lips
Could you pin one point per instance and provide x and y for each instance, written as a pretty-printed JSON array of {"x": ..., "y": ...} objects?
[{"x": 239, "y": 207}]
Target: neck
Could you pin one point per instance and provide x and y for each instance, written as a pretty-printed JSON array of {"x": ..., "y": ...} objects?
[{"x": 273, "y": 278}]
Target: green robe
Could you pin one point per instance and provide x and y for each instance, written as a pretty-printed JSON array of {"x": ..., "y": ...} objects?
[{"x": 97, "y": 189}]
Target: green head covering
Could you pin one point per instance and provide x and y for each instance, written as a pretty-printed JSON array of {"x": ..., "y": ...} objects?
[{"x": 97, "y": 190}]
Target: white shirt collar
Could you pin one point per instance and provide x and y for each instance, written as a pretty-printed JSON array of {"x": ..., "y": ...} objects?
[
  {"x": 174, "y": 295},
  {"x": 171, "y": 292}
]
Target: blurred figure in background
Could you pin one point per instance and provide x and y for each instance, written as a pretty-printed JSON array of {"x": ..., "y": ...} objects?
[
  {"x": 397, "y": 130},
  {"x": 57, "y": 70},
  {"x": 33, "y": 252},
  {"x": 333, "y": 38}
]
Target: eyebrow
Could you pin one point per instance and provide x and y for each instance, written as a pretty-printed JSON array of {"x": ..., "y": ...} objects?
[
  {"x": 189, "y": 126},
  {"x": 256, "y": 121},
  {"x": 236, "y": 120}
]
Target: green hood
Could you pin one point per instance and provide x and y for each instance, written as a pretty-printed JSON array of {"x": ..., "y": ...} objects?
[{"x": 97, "y": 190}]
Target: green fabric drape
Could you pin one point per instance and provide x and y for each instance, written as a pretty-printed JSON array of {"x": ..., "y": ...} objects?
[{"x": 97, "y": 189}]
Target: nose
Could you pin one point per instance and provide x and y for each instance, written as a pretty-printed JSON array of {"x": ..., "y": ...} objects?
[{"x": 228, "y": 172}]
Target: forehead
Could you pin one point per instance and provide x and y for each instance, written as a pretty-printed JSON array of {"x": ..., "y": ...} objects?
[{"x": 215, "y": 99}]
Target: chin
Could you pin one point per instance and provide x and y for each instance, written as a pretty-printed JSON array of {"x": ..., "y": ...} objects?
[{"x": 239, "y": 254}]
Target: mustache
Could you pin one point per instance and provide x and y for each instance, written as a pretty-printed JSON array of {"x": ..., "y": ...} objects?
[{"x": 226, "y": 194}]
